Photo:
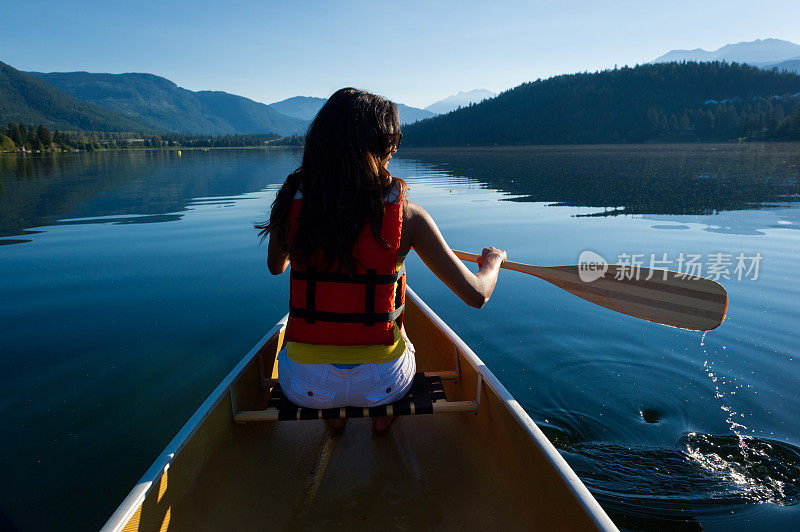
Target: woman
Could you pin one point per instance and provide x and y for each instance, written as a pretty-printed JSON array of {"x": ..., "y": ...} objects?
[{"x": 344, "y": 225}]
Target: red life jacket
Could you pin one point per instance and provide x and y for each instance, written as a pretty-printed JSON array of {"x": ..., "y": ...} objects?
[{"x": 333, "y": 308}]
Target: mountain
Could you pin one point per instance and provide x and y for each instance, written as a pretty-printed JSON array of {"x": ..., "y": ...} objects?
[
  {"x": 248, "y": 116},
  {"x": 24, "y": 98},
  {"x": 759, "y": 52},
  {"x": 698, "y": 54},
  {"x": 161, "y": 102},
  {"x": 793, "y": 65},
  {"x": 649, "y": 103},
  {"x": 303, "y": 107},
  {"x": 462, "y": 99},
  {"x": 307, "y": 107},
  {"x": 409, "y": 115}
]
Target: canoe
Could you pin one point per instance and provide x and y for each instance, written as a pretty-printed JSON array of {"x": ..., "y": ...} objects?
[{"x": 478, "y": 462}]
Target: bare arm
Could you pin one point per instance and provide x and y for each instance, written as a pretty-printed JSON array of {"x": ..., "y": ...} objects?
[
  {"x": 277, "y": 256},
  {"x": 426, "y": 239}
]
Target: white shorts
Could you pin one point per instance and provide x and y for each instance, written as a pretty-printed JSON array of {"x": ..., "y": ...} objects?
[{"x": 326, "y": 386}]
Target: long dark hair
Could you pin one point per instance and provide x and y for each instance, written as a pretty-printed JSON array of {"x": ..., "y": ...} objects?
[{"x": 342, "y": 179}]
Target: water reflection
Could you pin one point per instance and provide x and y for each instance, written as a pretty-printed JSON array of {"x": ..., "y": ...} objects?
[
  {"x": 732, "y": 223},
  {"x": 652, "y": 180},
  {"x": 38, "y": 190},
  {"x": 659, "y": 179}
]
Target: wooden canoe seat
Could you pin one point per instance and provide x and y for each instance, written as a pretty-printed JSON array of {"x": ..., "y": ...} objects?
[{"x": 426, "y": 396}]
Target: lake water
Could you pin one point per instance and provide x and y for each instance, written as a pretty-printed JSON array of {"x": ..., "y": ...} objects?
[{"x": 130, "y": 284}]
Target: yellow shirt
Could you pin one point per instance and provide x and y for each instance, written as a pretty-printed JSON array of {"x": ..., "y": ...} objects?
[{"x": 346, "y": 354}]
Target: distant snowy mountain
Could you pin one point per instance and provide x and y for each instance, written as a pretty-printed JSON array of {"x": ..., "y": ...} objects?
[
  {"x": 761, "y": 52},
  {"x": 307, "y": 107},
  {"x": 462, "y": 99}
]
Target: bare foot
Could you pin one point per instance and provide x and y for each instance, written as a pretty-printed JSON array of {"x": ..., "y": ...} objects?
[
  {"x": 335, "y": 424},
  {"x": 381, "y": 424}
]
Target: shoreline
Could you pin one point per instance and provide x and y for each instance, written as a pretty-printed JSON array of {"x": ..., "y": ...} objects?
[
  {"x": 507, "y": 147},
  {"x": 609, "y": 146},
  {"x": 172, "y": 148}
]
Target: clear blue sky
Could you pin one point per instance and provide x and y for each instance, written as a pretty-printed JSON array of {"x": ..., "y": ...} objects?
[{"x": 412, "y": 52}]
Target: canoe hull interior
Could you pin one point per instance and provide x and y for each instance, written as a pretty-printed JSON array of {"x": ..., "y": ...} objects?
[{"x": 489, "y": 470}]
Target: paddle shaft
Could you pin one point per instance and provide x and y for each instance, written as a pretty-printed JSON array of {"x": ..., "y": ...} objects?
[{"x": 536, "y": 271}]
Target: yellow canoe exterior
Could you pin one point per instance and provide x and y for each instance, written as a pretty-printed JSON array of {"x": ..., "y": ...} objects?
[{"x": 456, "y": 471}]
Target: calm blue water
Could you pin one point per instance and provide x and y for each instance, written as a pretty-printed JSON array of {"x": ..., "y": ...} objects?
[{"x": 130, "y": 283}]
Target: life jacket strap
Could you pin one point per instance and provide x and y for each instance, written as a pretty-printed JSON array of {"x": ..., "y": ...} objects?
[
  {"x": 311, "y": 300},
  {"x": 369, "y": 299},
  {"x": 344, "y": 317},
  {"x": 358, "y": 278}
]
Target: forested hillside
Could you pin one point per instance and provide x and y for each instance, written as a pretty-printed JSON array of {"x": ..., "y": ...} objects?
[
  {"x": 169, "y": 107},
  {"x": 649, "y": 103},
  {"x": 24, "y": 98}
]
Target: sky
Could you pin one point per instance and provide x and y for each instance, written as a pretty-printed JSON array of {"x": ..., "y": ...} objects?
[{"x": 411, "y": 52}]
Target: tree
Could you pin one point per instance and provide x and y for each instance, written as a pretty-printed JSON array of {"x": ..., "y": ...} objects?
[
  {"x": 685, "y": 123},
  {"x": 44, "y": 137},
  {"x": 23, "y": 135},
  {"x": 13, "y": 133},
  {"x": 726, "y": 121},
  {"x": 653, "y": 122}
]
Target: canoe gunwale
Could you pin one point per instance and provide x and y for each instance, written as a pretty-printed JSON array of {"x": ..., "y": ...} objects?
[
  {"x": 136, "y": 497},
  {"x": 571, "y": 479}
]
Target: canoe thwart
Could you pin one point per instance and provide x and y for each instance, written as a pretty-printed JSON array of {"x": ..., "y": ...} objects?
[
  {"x": 426, "y": 396},
  {"x": 444, "y": 375}
]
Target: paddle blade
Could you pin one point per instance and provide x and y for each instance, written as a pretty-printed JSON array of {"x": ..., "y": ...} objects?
[{"x": 660, "y": 296}]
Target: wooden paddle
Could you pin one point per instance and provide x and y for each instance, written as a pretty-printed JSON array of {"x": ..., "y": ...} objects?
[{"x": 660, "y": 296}]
